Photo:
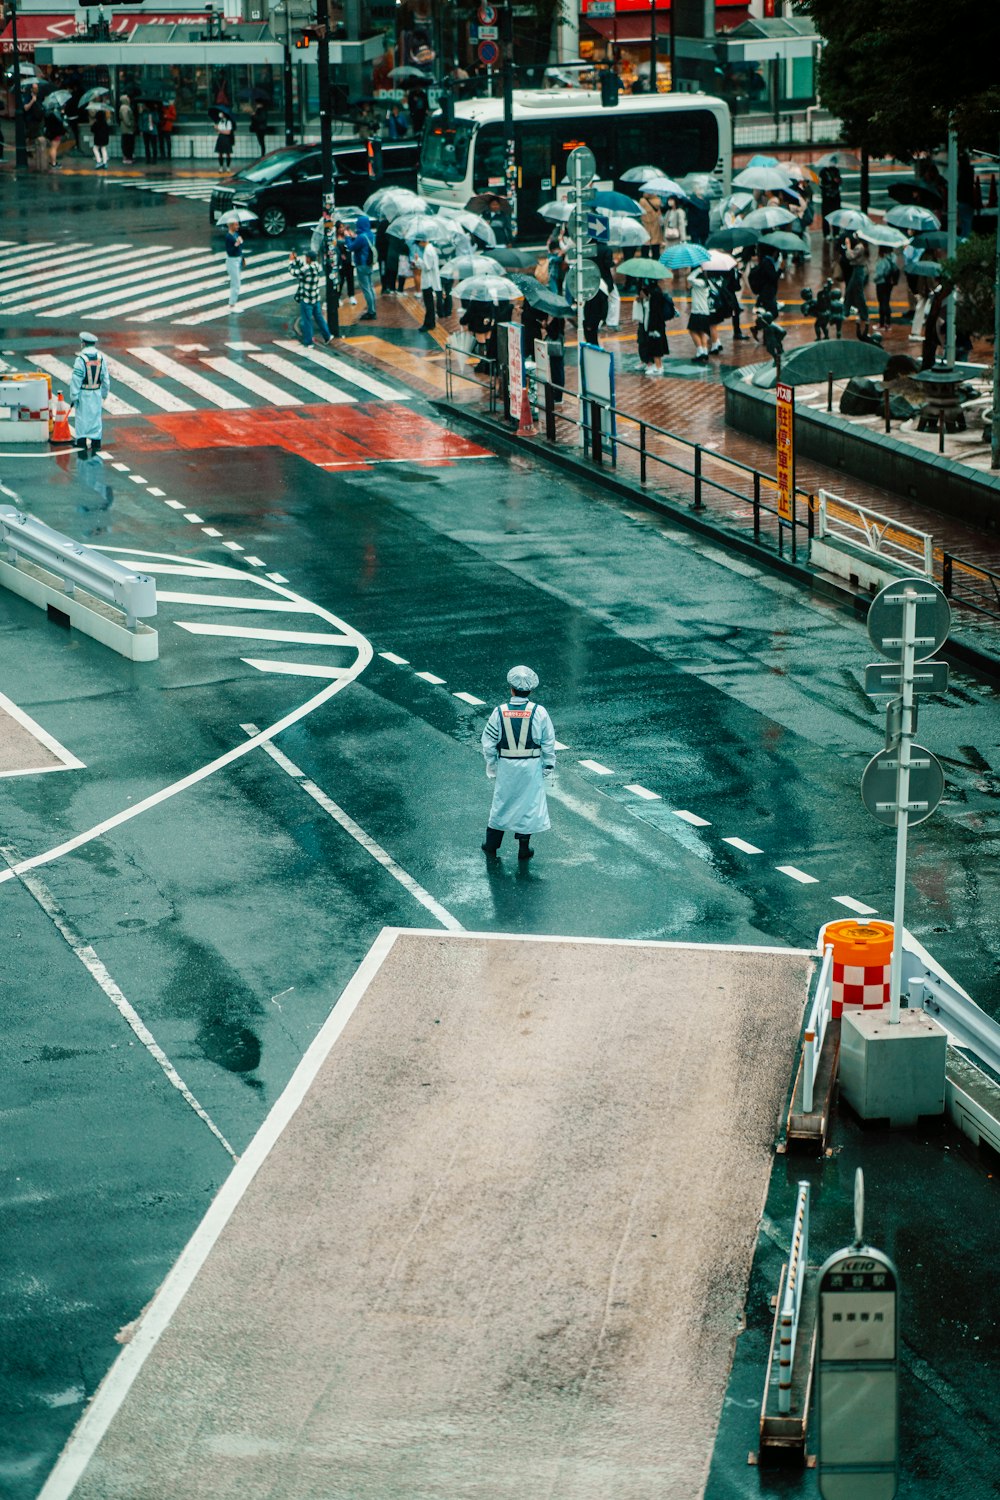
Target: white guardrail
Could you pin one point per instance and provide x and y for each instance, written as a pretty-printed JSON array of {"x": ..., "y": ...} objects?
[
  {"x": 791, "y": 1299},
  {"x": 77, "y": 566},
  {"x": 877, "y": 533},
  {"x": 815, "y": 1032}
]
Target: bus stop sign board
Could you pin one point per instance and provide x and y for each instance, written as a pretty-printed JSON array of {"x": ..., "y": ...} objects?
[{"x": 858, "y": 1376}]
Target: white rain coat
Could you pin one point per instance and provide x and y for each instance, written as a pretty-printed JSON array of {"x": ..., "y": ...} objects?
[
  {"x": 89, "y": 404},
  {"x": 519, "y": 804}
]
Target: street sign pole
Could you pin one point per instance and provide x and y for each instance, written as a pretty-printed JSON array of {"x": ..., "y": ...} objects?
[
  {"x": 903, "y": 801},
  {"x": 330, "y": 267},
  {"x": 581, "y": 167}
]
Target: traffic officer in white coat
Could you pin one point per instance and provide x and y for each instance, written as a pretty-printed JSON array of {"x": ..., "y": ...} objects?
[
  {"x": 89, "y": 384},
  {"x": 519, "y": 744}
]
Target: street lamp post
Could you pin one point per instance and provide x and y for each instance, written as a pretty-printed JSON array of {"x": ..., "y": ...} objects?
[
  {"x": 287, "y": 77},
  {"x": 326, "y": 157},
  {"x": 20, "y": 136}
]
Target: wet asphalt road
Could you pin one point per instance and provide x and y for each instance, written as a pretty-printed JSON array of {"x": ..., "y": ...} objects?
[{"x": 231, "y": 915}]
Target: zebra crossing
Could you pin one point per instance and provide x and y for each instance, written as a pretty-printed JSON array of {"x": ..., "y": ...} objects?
[
  {"x": 191, "y": 377},
  {"x": 173, "y": 188},
  {"x": 126, "y": 283}
]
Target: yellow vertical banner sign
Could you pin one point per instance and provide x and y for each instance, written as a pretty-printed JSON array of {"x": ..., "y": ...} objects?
[{"x": 784, "y": 435}]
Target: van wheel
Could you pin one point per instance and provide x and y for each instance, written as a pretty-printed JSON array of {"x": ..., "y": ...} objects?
[{"x": 274, "y": 222}]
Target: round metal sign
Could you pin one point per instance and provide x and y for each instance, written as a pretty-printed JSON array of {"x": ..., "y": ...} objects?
[
  {"x": 581, "y": 165},
  {"x": 586, "y": 280},
  {"x": 885, "y": 618},
  {"x": 879, "y": 782},
  {"x": 487, "y": 15},
  {"x": 488, "y": 53}
]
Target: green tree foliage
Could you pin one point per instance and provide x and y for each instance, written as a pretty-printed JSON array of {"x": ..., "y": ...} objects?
[
  {"x": 895, "y": 71},
  {"x": 973, "y": 272}
]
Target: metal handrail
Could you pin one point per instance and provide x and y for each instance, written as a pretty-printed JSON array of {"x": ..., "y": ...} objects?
[
  {"x": 876, "y": 530},
  {"x": 791, "y": 1301},
  {"x": 815, "y": 1032},
  {"x": 971, "y": 573},
  {"x": 133, "y": 593}
]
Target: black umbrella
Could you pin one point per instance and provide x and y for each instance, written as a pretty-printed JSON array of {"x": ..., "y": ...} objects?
[
  {"x": 909, "y": 190},
  {"x": 931, "y": 239},
  {"x": 515, "y": 260},
  {"x": 553, "y": 304},
  {"x": 732, "y": 239},
  {"x": 220, "y": 109}
]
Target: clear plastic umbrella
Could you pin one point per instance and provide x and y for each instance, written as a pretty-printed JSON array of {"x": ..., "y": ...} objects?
[
  {"x": 91, "y": 95},
  {"x": 472, "y": 224},
  {"x": 464, "y": 266},
  {"x": 663, "y": 187},
  {"x": 845, "y": 161},
  {"x": 736, "y": 203},
  {"x": 884, "y": 234},
  {"x": 912, "y": 216},
  {"x": 488, "y": 289},
  {"x": 849, "y": 218},
  {"x": 702, "y": 183},
  {"x": 624, "y": 232},
  {"x": 241, "y": 215},
  {"x": 768, "y": 218},
  {"x": 57, "y": 99},
  {"x": 390, "y": 202},
  {"x": 439, "y": 230},
  {"x": 685, "y": 254},
  {"x": 761, "y": 179},
  {"x": 641, "y": 174},
  {"x": 798, "y": 171},
  {"x": 556, "y": 212}
]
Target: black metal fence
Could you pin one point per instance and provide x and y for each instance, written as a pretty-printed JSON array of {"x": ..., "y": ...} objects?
[{"x": 971, "y": 586}]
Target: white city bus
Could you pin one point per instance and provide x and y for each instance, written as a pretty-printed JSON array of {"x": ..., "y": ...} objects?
[{"x": 679, "y": 133}]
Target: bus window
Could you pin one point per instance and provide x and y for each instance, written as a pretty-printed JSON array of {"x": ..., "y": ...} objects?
[
  {"x": 444, "y": 154},
  {"x": 488, "y": 171}
]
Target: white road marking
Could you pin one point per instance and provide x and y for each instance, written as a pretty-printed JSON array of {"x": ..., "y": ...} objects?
[
  {"x": 190, "y": 378},
  {"x": 470, "y": 698},
  {"x": 122, "y": 468},
  {"x": 312, "y": 383},
  {"x": 276, "y": 577},
  {"x": 743, "y": 846},
  {"x": 429, "y": 677},
  {"x": 233, "y": 546},
  {"x": 692, "y": 818},
  {"x": 152, "y": 392},
  {"x": 368, "y": 843},
  {"x": 234, "y": 344},
  {"x": 211, "y": 531},
  {"x": 856, "y": 906},
  {"x": 643, "y": 791},
  {"x": 596, "y": 767},
  {"x": 397, "y": 661},
  {"x": 96, "y": 969},
  {"x": 63, "y": 293},
  {"x": 250, "y": 381},
  {"x": 138, "y": 479},
  {"x": 165, "y": 304},
  {"x": 152, "y": 489},
  {"x": 289, "y": 606},
  {"x": 117, "y": 293},
  {"x": 69, "y": 761},
  {"x": 175, "y": 504},
  {"x": 255, "y": 562},
  {"x": 558, "y": 745},
  {"x": 79, "y": 261},
  {"x": 252, "y": 280},
  {"x": 799, "y": 875},
  {"x": 194, "y": 518},
  {"x": 113, "y": 405},
  {"x": 295, "y": 668},
  {"x": 345, "y": 371},
  {"x": 195, "y": 348},
  {"x": 242, "y": 632}
]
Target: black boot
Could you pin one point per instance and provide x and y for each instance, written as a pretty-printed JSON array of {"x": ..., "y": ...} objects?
[
  {"x": 95, "y": 444},
  {"x": 524, "y": 849},
  {"x": 81, "y": 443},
  {"x": 494, "y": 838}
]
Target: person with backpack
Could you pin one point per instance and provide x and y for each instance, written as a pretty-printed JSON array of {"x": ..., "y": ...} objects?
[
  {"x": 361, "y": 247},
  {"x": 886, "y": 276},
  {"x": 653, "y": 308}
]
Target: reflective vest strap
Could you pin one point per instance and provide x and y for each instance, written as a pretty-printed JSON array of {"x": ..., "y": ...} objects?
[
  {"x": 92, "y": 372},
  {"x": 516, "y": 740}
]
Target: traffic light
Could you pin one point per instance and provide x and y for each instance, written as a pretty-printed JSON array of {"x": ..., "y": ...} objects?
[
  {"x": 374, "y": 149},
  {"x": 302, "y": 42},
  {"x": 609, "y": 89}
]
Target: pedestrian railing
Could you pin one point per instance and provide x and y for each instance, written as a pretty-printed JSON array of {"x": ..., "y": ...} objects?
[
  {"x": 791, "y": 1300},
  {"x": 971, "y": 586},
  {"x": 456, "y": 367},
  {"x": 844, "y": 520},
  {"x": 77, "y": 566},
  {"x": 710, "y": 474},
  {"x": 820, "y": 1013}
]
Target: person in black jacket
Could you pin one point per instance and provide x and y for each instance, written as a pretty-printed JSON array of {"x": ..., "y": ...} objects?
[{"x": 100, "y": 133}]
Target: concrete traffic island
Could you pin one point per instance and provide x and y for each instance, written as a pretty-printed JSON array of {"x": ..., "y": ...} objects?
[{"x": 494, "y": 1242}]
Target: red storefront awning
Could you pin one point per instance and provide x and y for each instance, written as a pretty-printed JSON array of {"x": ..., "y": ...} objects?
[
  {"x": 631, "y": 20},
  {"x": 43, "y": 30}
]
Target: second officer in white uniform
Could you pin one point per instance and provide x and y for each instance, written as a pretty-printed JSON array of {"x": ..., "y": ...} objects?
[{"x": 519, "y": 744}]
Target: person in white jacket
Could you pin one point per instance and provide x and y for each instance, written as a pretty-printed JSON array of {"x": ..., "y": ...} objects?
[
  {"x": 519, "y": 745},
  {"x": 430, "y": 280}
]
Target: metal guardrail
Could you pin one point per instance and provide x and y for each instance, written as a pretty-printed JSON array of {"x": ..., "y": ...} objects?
[
  {"x": 969, "y": 1026},
  {"x": 845, "y": 520},
  {"x": 971, "y": 586},
  {"x": 791, "y": 1301},
  {"x": 451, "y": 374},
  {"x": 815, "y": 1032},
  {"x": 77, "y": 566}
]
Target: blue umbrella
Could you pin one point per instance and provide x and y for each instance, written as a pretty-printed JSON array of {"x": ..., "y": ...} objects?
[
  {"x": 685, "y": 254},
  {"x": 618, "y": 204},
  {"x": 763, "y": 161}
]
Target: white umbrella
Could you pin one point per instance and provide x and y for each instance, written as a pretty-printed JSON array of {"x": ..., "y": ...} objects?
[
  {"x": 736, "y": 203},
  {"x": 767, "y": 218},
  {"x": 762, "y": 179},
  {"x": 911, "y": 216},
  {"x": 623, "y": 231},
  {"x": 641, "y": 174},
  {"x": 849, "y": 218},
  {"x": 884, "y": 234},
  {"x": 472, "y": 224},
  {"x": 797, "y": 171},
  {"x": 464, "y": 266},
  {"x": 557, "y": 212},
  {"x": 702, "y": 183},
  {"x": 718, "y": 261},
  {"x": 391, "y": 202},
  {"x": 91, "y": 95},
  {"x": 488, "y": 289},
  {"x": 241, "y": 215},
  {"x": 663, "y": 187},
  {"x": 439, "y": 230}
]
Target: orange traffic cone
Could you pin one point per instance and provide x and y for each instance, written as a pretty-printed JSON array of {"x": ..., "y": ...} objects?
[
  {"x": 61, "y": 432},
  {"x": 525, "y": 424}
]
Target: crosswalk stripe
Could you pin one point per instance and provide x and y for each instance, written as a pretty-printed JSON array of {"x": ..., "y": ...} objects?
[
  {"x": 114, "y": 405},
  {"x": 282, "y": 282},
  {"x": 84, "y": 295},
  {"x": 69, "y": 257},
  {"x": 251, "y": 382},
  {"x": 17, "y": 252},
  {"x": 221, "y": 292},
  {"x": 296, "y": 669},
  {"x": 76, "y": 278},
  {"x": 304, "y": 378},
  {"x": 147, "y": 388},
  {"x": 345, "y": 371},
  {"x": 190, "y": 378},
  {"x": 291, "y": 637},
  {"x": 231, "y": 601},
  {"x": 105, "y": 298}
]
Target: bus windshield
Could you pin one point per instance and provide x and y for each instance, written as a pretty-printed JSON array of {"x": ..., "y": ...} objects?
[{"x": 444, "y": 154}]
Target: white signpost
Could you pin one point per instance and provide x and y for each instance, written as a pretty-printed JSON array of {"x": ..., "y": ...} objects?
[{"x": 581, "y": 168}]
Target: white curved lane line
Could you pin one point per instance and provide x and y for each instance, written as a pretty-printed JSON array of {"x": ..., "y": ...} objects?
[{"x": 244, "y": 747}]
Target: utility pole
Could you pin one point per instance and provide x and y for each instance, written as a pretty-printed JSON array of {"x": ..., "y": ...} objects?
[
  {"x": 20, "y": 137},
  {"x": 330, "y": 267},
  {"x": 949, "y": 338},
  {"x": 995, "y": 423},
  {"x": 287, "y": 77},
  {"x": 652, "y": 46},
  {"x": 510, "y": 142}
]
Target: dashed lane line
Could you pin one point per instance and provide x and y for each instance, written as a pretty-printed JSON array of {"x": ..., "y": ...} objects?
[
  {"x": 858, "y": 907},
  {"x": 692, "y": 818},
  {"x": 643, "y": 792},
  {"x": 743, "y": 846},
  {"x": 795, "y": 874},
  {"x": 596, "y": 767}
]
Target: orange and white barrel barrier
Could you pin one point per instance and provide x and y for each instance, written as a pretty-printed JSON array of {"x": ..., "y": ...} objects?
[{"x": 862, "y": 963}]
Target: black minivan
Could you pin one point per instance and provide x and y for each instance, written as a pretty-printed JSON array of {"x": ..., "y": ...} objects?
[{"x": 284, "y": 188}]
